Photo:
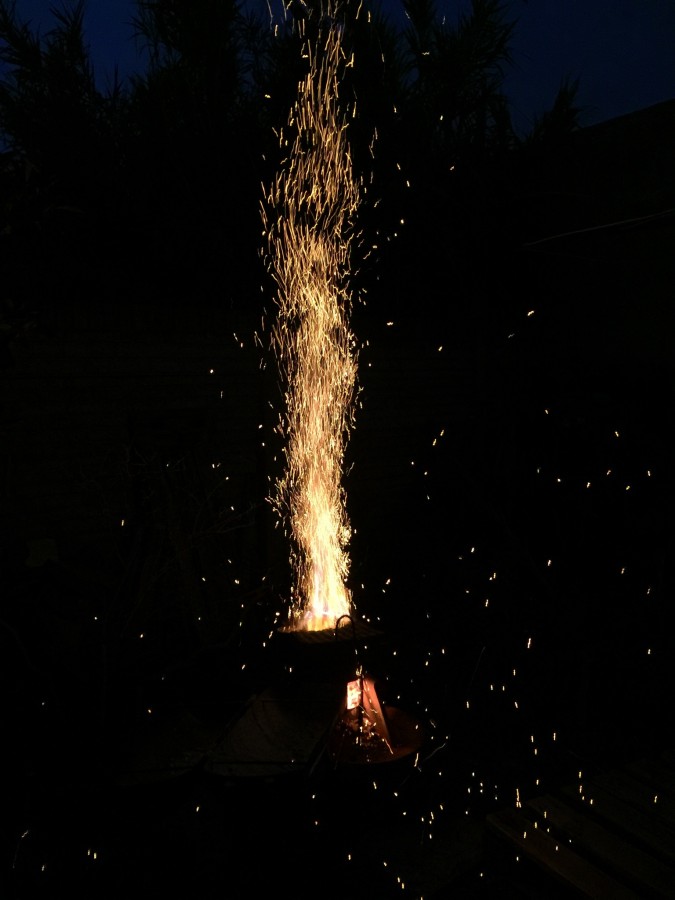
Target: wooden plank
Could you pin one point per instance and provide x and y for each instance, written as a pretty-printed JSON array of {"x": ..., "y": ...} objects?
[
  {"x": 634, "y": 791},
  {"x": 657, "y": 774},
  {"x": 558, "y": 858},
  {"x": 641, "y": 826},
  {"x": 614, "y": 853}
]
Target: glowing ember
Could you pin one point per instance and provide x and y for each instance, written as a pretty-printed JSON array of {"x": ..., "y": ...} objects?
[
  {"x": 364, "y": 733},
  {"x": 307, "y": 217},
  {"x": 364, "y": 714},
  {"x": 354, "y": 694}
]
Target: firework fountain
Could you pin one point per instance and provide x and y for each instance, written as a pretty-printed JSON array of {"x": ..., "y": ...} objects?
[
  {"x": 308, "y": 223},
  {"x": 309, "y": 226}
]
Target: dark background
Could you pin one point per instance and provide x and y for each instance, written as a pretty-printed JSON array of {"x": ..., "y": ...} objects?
[{"x": 508, "y": 479}]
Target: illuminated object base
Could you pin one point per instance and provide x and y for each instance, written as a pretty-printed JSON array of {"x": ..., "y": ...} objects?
[
  {"x": 364, "y": 731},
  {"x": 351, "y": 630},
  {"x": 328, "y": 654}
]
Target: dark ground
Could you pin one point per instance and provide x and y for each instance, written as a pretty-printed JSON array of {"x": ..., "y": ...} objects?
[
  {"x": 106, "y": 803},
  {"x": 493, "y": 648}
]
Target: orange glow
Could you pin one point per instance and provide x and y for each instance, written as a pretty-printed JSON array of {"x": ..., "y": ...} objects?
[
  {"x": 307, "y": 216},
  {"x": 354, "y": 694}
]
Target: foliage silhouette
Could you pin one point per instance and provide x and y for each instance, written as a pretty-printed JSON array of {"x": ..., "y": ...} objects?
[{"x": 149, "y": 190}]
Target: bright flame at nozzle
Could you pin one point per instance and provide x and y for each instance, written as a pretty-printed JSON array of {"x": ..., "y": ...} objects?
[{"x": 311, "y": 621}]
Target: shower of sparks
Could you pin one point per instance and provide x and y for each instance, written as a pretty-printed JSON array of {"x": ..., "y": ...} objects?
[{"x": 308, "y": 218}]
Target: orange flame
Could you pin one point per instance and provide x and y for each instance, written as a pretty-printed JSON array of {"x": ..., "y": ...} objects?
[{"x": 307, "y": 216}]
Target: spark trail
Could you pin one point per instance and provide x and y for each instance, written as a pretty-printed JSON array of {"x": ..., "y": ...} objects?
[{"x": 308, "y": 218}]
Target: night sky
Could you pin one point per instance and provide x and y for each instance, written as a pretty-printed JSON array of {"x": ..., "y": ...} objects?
[{"x": 621, "y": 50}]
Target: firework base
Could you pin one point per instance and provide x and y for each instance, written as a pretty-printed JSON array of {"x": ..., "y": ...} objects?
[
  {"x": 351, "y": 747},
  {"x": 331, "y": 653}
]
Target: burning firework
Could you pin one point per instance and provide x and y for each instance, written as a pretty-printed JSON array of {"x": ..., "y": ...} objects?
[{"x": 308, "y": 224}]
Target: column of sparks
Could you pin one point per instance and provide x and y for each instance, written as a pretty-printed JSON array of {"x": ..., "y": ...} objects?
[{"x": 308, "y": 224}]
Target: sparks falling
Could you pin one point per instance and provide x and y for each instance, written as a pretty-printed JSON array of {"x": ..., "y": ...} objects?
[{"x": 308, "y": 224}]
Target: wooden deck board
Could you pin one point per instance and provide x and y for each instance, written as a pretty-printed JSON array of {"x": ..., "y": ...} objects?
[
  {"x": 641, "y": 827},
  {"x": 607, "y": 837},
  {"x": 612, "y": 851},
  {"x": 557, "y": 858},
  {"x": 655, "y": 773}
]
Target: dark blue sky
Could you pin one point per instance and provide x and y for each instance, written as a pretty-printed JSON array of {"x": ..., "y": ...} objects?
[{"x": 623, "y": 51}]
